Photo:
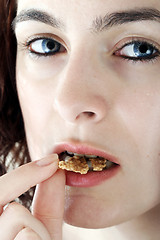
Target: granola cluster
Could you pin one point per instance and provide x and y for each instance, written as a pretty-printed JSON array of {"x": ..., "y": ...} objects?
[
  {"x": 80, "y": 164},
  {"x": 98, "y": 165}
]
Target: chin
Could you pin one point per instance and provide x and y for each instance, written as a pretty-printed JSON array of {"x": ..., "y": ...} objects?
[
  {"x": 82, "y": 211},
  {"x": 86, "y": 209},
  {"x": 83, "y": 219}
]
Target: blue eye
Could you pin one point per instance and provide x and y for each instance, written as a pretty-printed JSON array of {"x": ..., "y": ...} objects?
[
  {"x": 44, "y": 46},
  {"x": 137, "y": 50},
  {"x": 143, "y": 49}
]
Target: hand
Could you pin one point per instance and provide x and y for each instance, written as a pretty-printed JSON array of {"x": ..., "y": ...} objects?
[{"x": 45, "y": 222}]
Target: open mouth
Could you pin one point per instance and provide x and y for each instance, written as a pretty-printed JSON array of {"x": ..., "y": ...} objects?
[{"x": 81, "y": 163}]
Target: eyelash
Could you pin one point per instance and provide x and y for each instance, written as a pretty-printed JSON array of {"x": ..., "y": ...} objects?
[
  {"x": 28, "y": 43},
  {"x": 116, "y": 53},
  {"x": 140, "y": 42}
]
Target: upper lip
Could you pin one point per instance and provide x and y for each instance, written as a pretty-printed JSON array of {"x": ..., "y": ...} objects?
[{"x": 84, "y": 149}]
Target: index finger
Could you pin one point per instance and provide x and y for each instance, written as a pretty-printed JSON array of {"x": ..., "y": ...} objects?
[
  {"x": 20, "y": 180},
  {"x": 48, "y": 204}
]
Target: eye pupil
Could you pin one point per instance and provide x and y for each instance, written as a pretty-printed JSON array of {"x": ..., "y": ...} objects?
[
  {"x": 143, "y": 48},
  {"x": 50, "y": 45}
]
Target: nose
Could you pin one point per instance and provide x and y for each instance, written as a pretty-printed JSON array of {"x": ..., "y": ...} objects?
[{"x": 79, "y": 97}]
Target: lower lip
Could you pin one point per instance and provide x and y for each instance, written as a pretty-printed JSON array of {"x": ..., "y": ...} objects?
[{"x": 91, "y": 178}]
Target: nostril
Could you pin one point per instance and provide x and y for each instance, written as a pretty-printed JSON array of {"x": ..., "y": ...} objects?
[
  {"x": 89, "y": 114},
  {"x": 86, "y": 114}
]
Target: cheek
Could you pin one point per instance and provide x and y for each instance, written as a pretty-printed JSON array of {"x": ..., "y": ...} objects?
[
  {"x": 35, "y": 99},
  {"x": 140, "y": 112},
  {"x": 36, "y": 84},
  {"x": 32, "y": 99},
  {"x": 40, "y": 68}
]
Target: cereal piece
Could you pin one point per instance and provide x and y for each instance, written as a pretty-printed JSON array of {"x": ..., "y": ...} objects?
[
  {"x": 98, "y": 164},
  {"x": 80, "y": 164},
  {"x": 75, "y": 164}
]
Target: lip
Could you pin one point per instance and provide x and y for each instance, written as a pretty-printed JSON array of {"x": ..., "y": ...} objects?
[
  {"x": 91, "y": 178},
  {"x": 84, "y": 149}
]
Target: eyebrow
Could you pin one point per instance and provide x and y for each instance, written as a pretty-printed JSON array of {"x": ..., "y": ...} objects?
[
  {"x": 37, "y": 15},
  {"x": 99, "y": 24},
  {"x": 119, "y": 18}
]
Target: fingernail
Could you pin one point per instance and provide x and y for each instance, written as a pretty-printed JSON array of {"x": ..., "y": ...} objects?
[{"x": 46, "y": 161}]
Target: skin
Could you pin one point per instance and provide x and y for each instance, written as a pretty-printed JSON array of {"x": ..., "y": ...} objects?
[
  {"x": 58, "y": 93},
  {"x": 16, "y": 221}
]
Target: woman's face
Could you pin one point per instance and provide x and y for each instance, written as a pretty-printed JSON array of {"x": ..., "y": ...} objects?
[{"x": 88, "y": 82}]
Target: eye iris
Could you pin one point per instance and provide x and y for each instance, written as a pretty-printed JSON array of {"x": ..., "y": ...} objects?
[
  {"x": 50, "y": 46},
  {"x": 143, "y": 49}
]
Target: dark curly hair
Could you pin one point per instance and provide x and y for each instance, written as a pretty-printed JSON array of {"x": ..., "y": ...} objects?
[{"x": 13, "y": 146}]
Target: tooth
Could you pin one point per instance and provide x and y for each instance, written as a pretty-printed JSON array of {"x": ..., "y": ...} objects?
[
  {"x": 90, "y": 156},
  {"x": 79, "y": 155},
  {"x": 70, "y": 153},
  {"x": 89, "y": 165},
  {"x": 67, "y": 158}
]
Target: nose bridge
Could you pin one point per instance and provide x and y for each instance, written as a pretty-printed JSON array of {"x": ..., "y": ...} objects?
[
  {"x": 77, "y": 96},
  {"x": 77, "y": 74},
  {"x": 80, "y": 63}
]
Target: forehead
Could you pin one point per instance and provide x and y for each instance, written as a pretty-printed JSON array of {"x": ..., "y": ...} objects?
[{"x": 85, "y": 8}]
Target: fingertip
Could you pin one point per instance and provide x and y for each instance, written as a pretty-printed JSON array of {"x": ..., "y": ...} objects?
[{"x": 47, "y": 160}]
